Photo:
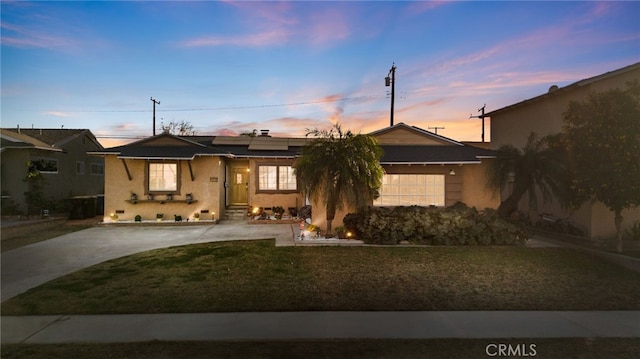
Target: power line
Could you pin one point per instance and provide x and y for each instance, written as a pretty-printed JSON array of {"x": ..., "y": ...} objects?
[{"x": 234, "y": 107}]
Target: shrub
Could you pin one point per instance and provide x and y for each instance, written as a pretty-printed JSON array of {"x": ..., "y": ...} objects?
[
  {"x": 633, "y": 232},
  {"x": 454, "y": 225}
]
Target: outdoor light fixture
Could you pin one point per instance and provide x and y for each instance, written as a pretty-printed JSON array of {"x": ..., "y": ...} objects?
[{"x": 452, "y": 172}]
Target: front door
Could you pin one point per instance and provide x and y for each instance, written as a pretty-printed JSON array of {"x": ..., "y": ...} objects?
[{"x": 239, "y": 186}]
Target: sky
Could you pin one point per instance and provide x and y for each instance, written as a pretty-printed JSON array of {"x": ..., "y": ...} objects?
[{"x": 230, "y": 67}]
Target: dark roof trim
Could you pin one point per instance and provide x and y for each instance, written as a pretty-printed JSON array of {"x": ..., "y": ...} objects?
[{"x": 567, "y": 88}]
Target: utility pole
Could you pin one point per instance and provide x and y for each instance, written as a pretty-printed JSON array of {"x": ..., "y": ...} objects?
[
  {"x": 154, "y": 114},
  {"x": 436, "y": 128},
  {"x": 391, "y": 80},
  {"x": 482, "y": 116}
]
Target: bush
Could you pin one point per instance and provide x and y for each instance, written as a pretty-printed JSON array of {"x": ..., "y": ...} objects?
[
  {"x": 633, "y": 232},
  {"x": 454, "y": 225}
]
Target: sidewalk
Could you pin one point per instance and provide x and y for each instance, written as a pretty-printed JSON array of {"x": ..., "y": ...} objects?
[{"x": 318, "y": 325}]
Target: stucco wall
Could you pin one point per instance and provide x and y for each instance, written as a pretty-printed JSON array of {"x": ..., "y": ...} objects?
[
  {"x": 205, "y": 190},
  {"x": 543, "y": 115},
  {"x": 65, "y": 183},
  {"x": 468, "y": 185},
  {"x": 13, "y": 172}
]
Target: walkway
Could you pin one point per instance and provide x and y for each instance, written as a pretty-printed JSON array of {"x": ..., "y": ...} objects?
[{"x": 318, "y": 325}]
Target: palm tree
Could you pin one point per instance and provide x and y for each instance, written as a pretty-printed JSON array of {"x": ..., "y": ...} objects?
[
  {"x": 340, "y": 168},
  {"x": 539, "y": 165}
]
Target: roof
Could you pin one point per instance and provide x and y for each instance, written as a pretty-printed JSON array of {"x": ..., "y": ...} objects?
[
  {"x": 416, "y": 130},
  {"x": 554, "y": 90},
  {"x": 51, "y": 137},
  {"x": 9, "y": 139},
  {"x": 427, "y": 155},
  {"x": 167, "y": 146}
]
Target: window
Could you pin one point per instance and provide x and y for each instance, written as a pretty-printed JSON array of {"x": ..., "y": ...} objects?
[
  {"x": 79, "y": 167},
  {"x": 276, "y": 178},
  {"x": 286, "y": 178},
  {"x": 97, "y": 169},
  {"x": 163, "y": 177},
  {"x": 267, "y": 178},
  {"x": 45, "y": 165},
  {"x": 411, "y": 189}
]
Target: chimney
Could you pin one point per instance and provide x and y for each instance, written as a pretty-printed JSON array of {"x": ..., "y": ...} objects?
[{"x": 264, "y": 133}]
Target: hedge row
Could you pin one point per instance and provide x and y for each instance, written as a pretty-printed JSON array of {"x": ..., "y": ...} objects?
[{"x": 455, "y": 225}]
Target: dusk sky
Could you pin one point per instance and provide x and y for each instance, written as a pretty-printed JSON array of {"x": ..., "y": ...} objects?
[{"x": 231, "y": 67}]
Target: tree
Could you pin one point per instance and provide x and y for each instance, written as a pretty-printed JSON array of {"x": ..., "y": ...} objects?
[
  {"x": 340, "y": 168},
  {"x": 602, "y": 138},
  {"x": 34, "y": 197},
  {"x": 537, "y": 166},
  {"x": 182, "y": 128}
]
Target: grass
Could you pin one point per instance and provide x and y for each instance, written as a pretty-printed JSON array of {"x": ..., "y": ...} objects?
[
  {"x": 256, "y": 276},
  {"x": 587, "y": 348},
  {"x": 39, "y": 236}
]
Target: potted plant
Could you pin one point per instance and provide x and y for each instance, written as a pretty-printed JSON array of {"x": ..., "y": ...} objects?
[
  {"x": 169, "y": 197},
  {"x": 159, "y": 217},
  {"x": 340, "y": 231},
  {"x": 196, "y": 216},
  {"x": 134, "y": 198},
  {"x": 278, "y": 211},
  {"x": 149, "y": 197},
  {"x": 138, "y": 218},
  {"x": 177, "y": 218},
  {"x": 114, "y": 217}
]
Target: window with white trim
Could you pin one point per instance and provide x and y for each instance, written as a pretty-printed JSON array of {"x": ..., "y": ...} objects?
[
  {"x": 79, "y": 167},
  {"x": 412, "y": 189},
  {"x": 45, "y": 165},
  {"x": 163, "y": 177},
  {"x": 97, "y": 169},
  {"x": 276, "y": 178}
]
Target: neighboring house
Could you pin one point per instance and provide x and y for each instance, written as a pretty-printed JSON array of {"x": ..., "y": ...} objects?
[
  {"x": 221, "y": 173},
  {"x": 543, "y": 115},
  {"x": 61, "y": 157}
]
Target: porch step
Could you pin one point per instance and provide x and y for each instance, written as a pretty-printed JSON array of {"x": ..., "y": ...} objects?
[{"x": 235, "y": 213}]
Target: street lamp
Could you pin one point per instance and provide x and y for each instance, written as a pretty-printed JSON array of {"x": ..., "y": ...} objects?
[{"x": 390, "y": 80}]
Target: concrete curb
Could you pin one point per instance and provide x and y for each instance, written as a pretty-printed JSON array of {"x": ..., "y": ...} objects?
[{"x": 319, "y": 325}]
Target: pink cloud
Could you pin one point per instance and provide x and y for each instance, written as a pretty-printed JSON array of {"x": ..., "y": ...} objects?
[
  {"x": 24, "y": 37},
  {"x": 57, "y": 113},
  {"x": 259, "y": 39},
  {"x": 328, "y": 27}
]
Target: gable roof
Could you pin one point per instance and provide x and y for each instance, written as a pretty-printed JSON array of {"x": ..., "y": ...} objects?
[
  {"x": 554, "y": 90},
  {"x": 163, "y": 146},
  {"x": 421, "y": 136},
  {"x": 408, "y": 145},
  {"x": 51, "y": 137},
  {"x": 434, "y": 149},
  {"x": 10, "y": 139},
  {"x": 433, "y": 155}
]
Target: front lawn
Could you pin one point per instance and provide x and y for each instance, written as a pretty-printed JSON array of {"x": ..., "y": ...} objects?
[{"x": 257, "y": 276}]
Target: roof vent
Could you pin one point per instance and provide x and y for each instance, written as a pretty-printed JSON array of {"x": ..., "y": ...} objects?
[
  {"x": 264, "y": 133},
  {"x": 553, "y": 88}
]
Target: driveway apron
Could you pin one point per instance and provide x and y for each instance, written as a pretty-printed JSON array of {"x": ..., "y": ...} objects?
[{"x": 29, "y": 266}]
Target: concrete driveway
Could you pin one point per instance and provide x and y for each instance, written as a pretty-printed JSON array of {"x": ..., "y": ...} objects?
[{"x": 29, "y": 266}]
